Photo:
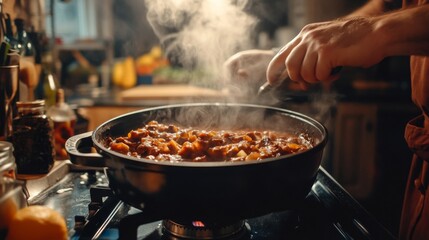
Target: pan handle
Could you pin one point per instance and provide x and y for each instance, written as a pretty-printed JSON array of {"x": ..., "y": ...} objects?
[{"x": 83, "y": 142}]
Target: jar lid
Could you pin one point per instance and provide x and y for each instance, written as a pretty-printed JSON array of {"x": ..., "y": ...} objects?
[
  {"x": 37, "y": 106},
  {"x": 6, "y": 155},
  {"x": 36, "y": 103}
]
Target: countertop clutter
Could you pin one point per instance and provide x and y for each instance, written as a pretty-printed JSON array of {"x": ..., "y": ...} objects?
[
  {"x": 12, "y": 197},
  {"x": 16, "y": 214}
]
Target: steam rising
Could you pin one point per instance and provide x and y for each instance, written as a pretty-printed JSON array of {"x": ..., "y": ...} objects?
[
  {"x": 233, "y": 117},
  {"x": 202, "y": 33}
]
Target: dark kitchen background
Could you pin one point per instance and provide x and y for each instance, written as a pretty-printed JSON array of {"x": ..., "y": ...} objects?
[{"x": 94, "y": 41}]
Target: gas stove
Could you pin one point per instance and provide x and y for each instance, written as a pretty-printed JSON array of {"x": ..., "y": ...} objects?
[{"x": 92, "y": 211}]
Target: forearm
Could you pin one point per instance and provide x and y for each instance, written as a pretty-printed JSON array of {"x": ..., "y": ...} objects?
[
  {"x": 371, "y": 8},
  {"x": 404, "y": 32}
]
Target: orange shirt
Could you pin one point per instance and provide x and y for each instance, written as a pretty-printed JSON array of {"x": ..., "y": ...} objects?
[
  {"x": 415, "y": 210},
  {"x": 420, "y": 76},
  {"x": 420, "y": 85}
]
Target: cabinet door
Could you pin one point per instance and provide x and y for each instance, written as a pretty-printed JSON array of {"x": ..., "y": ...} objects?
[{"x": 354, "y": 148}]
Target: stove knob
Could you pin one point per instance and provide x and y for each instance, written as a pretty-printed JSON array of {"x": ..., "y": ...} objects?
[
  {"x": 79, "y": 222},
  {"x": 93, "y": 208}
]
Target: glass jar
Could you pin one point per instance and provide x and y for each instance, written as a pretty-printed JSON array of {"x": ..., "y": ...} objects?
[
  {"x": 7, "y": 160},
  {"x": 12, "y": 198},
  {"x": 64, "y": 120},
  {"x": 32, "y": 138}
]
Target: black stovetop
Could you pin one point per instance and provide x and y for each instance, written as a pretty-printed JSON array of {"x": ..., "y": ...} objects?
[{"x": 328, "y": 212}]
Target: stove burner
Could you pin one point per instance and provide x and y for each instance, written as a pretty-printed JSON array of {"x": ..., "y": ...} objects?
[
  {"x": 327, "y": 213},
  {"x": 204, "y": 230}
]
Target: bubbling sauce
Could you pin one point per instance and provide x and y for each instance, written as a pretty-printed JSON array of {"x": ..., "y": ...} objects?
[{"x": 168, "y": 142}]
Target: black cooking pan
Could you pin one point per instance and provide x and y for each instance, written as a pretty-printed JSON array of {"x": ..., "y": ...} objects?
[{"x": 206, "y": 190}]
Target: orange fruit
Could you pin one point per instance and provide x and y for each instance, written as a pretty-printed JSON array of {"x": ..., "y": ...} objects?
[
  {"x": 8, "y": 209},
  {"x": 37, "y": 222}
]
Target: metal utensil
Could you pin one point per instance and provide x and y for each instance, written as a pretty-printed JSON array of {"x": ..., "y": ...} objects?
[
  {"x": 8, "y": 90},
  {"x": 281, "y": 92},
  {"x": 278, "y": 91}
]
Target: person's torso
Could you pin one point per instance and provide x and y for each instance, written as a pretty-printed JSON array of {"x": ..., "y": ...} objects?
[
  {"x": 420, "y": 84},
  {"x": 419, "y": 66}
]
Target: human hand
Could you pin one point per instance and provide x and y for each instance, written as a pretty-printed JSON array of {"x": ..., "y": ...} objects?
[
  {"x": 321, "y": 47},
  {"x": 246, "y": 69}
]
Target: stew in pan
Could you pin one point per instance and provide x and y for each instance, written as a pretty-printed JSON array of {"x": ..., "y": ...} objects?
[{"x": 168, "y": 142}]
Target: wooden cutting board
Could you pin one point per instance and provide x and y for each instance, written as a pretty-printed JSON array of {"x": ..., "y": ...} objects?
[{"x": 168, "y": 91}]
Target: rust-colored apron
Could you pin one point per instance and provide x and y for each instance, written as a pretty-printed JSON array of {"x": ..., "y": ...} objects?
[{"x": 415, "y": 212}]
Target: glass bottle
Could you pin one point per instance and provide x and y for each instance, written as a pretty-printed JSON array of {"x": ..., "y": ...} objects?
[
  {"x": 23, "y": 43},
  {"x": 8, "y": 31},
  {"x": 48, "y": 84},
  {"x": 32, "y": 138},
  {"x": 64, "y": 120}
]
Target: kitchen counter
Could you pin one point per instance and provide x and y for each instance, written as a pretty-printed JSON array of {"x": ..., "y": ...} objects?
[
  {"x": 113, "y": 97},
  {"x": 100, "y": 105},
  {"x": 145, "y": 96}
]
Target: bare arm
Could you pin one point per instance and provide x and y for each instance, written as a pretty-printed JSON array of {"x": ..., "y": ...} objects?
[
  {"x": 371, "y": 8},
  {"x": 357, "y": 42},
  {"x": 405, "y": 32}
]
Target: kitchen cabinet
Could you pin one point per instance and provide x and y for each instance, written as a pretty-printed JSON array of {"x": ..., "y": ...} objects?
[
  {"x": 354, "y": 147},
  {"x": 370, "y": 157}
]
